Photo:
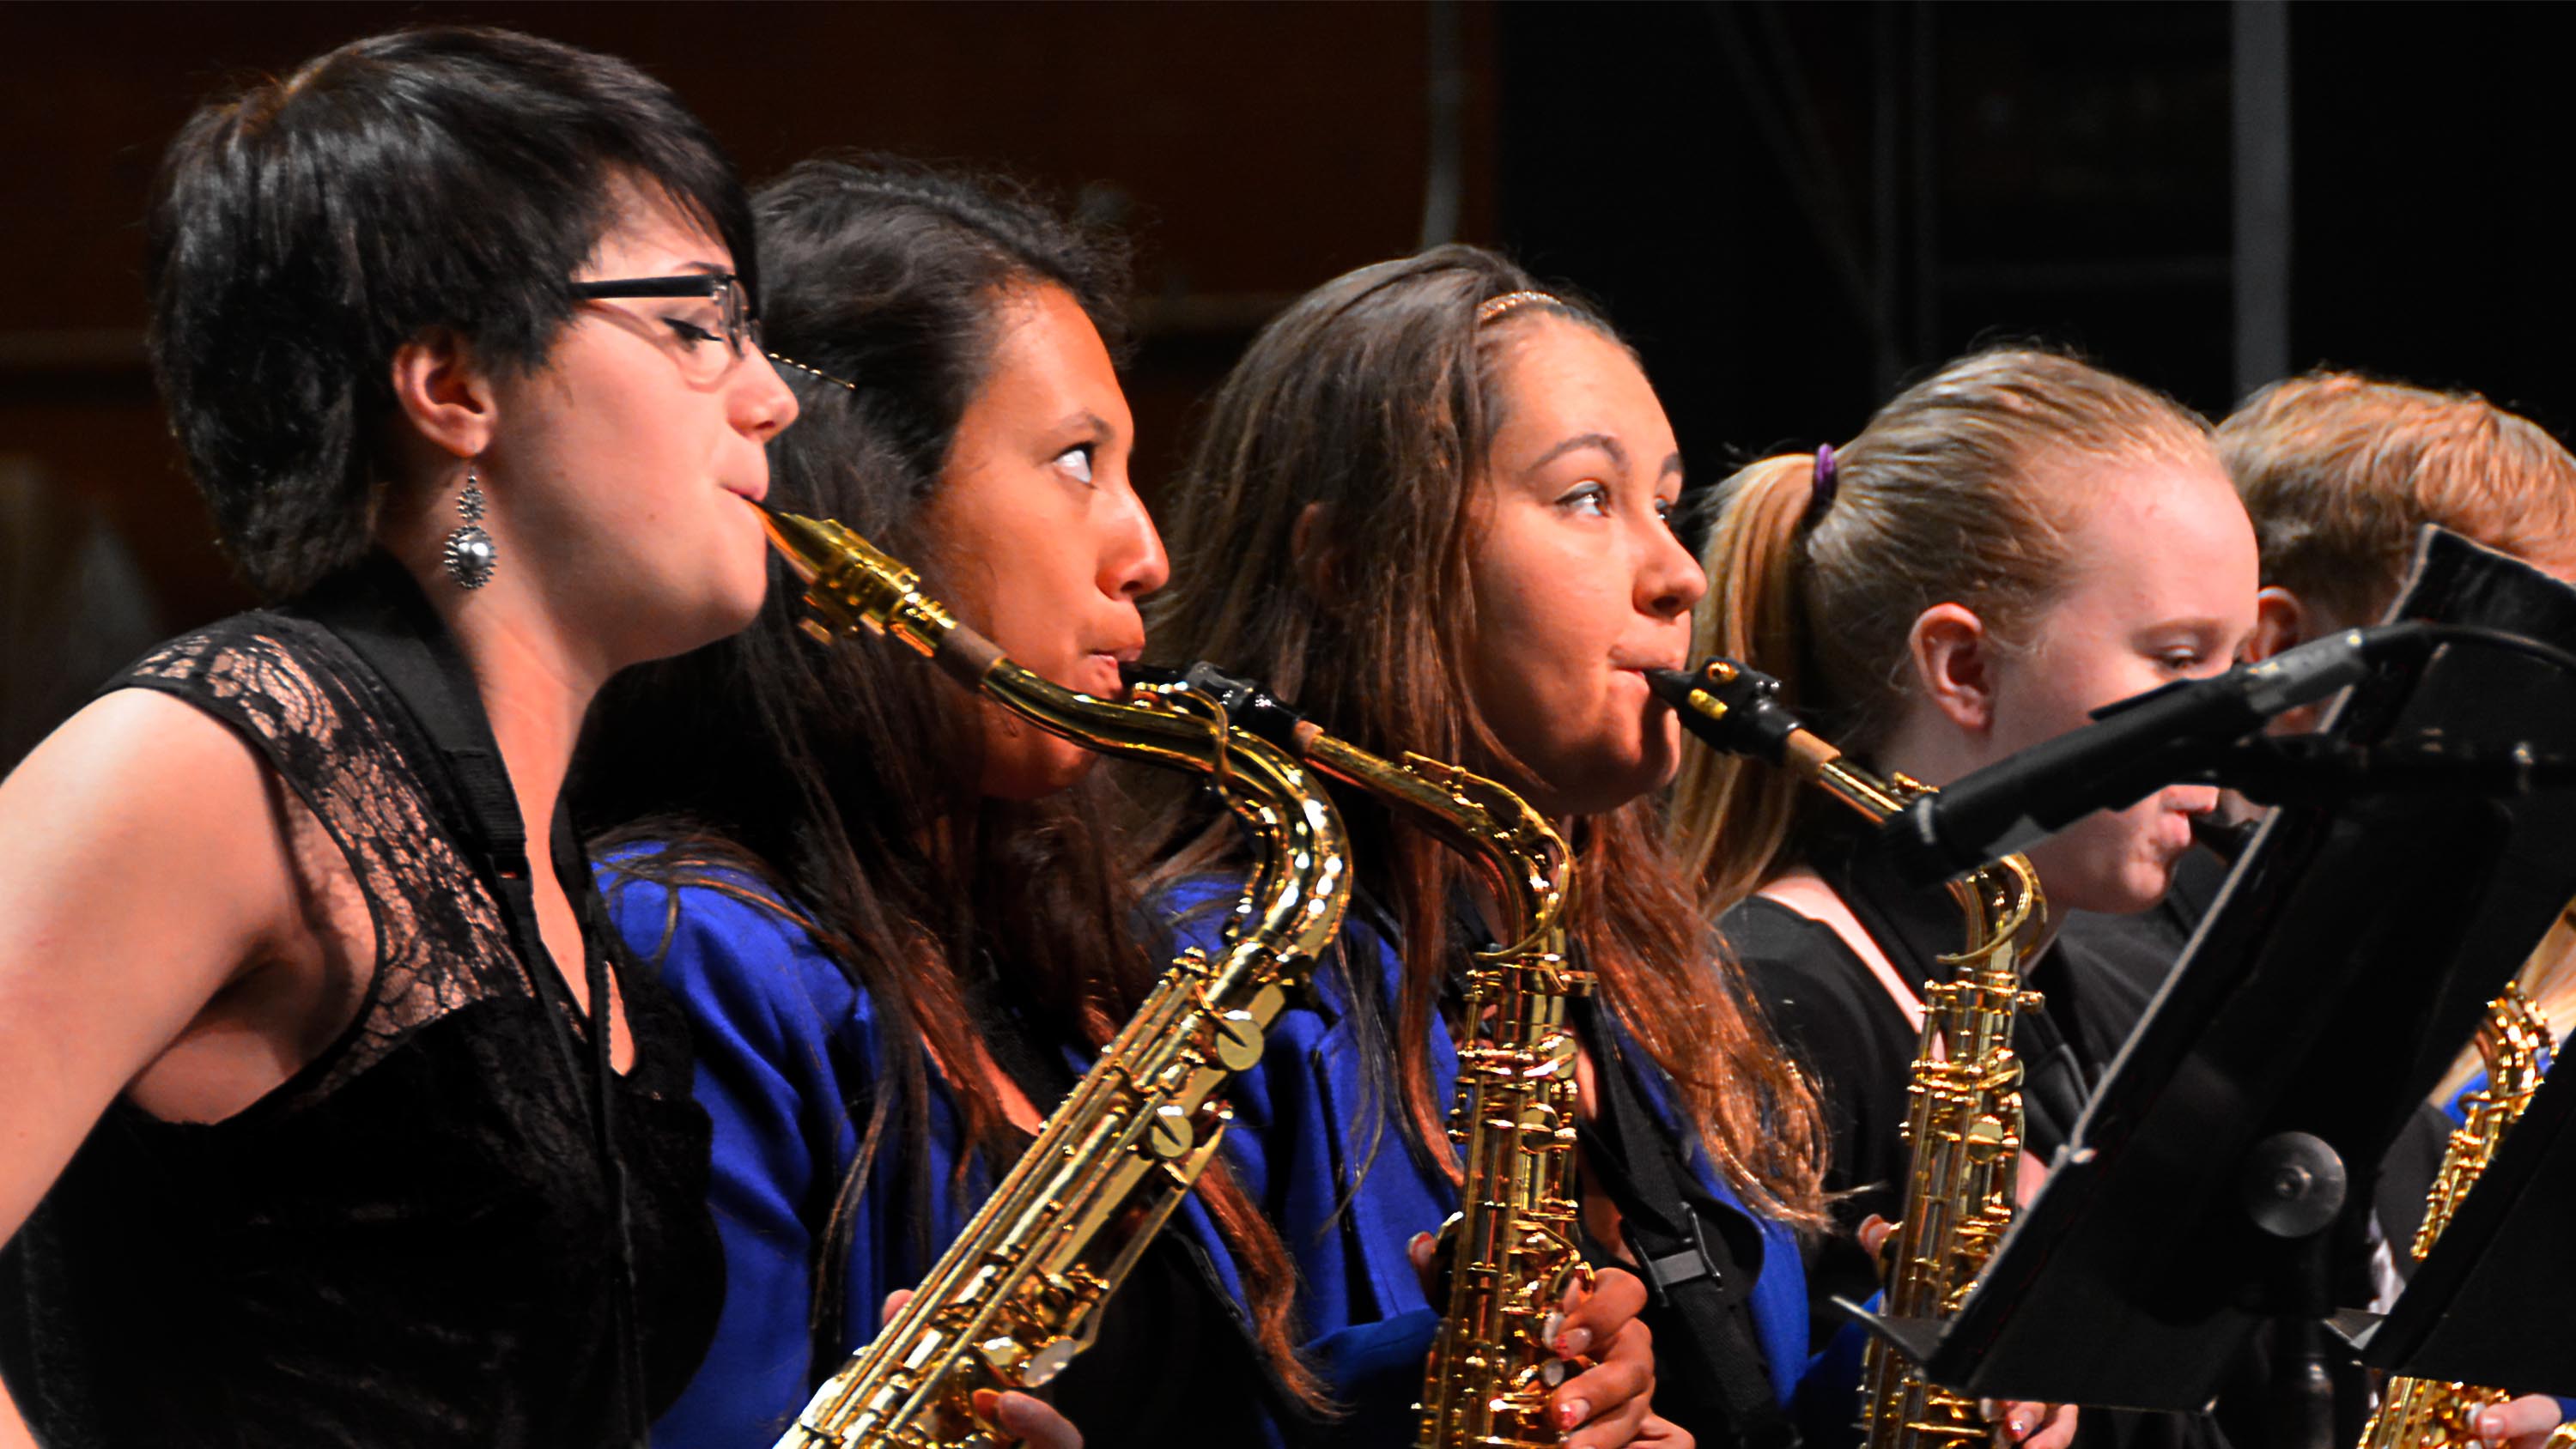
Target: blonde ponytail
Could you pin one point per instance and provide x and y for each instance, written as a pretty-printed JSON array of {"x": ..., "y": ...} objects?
[
  {"x": 1958, "y": 491},
  {"x": 1731, "y": 817}
]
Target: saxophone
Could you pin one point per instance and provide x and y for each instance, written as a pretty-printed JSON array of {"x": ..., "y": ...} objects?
[
  {"x": 1510, "y": 1250},
  {"x": 1963, "y": 1118},
  {"x": 2512, "y": 1040},
  {"x": 1019, "y": 1293}
]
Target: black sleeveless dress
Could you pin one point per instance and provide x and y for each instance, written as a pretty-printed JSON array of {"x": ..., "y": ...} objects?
[{"x": 417, "y": 1239}]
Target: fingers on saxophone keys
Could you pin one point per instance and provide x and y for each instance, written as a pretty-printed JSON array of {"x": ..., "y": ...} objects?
[
  {"x": 1563, "y": 1341},
  {"x": 2018, "y": 1423}
]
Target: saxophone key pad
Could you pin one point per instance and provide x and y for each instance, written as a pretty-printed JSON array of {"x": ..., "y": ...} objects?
[
  {"x": 1238, "y": 1041},
  {"x": 1171, "y": 1136},
  {"x": 1049, "y": 1361}
]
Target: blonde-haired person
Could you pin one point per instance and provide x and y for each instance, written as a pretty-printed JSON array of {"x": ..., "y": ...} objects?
[
  {"x": 2340, "y": 473},
  {"x": 2010, "y": 543}
]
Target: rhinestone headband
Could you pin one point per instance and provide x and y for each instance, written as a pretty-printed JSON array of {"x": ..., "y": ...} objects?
[{"x": 1493, "y": 307}]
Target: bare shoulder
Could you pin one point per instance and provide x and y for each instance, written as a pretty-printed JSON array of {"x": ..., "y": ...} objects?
[
  {"x": 141, "y": 770},
  {"x": 143, "y": 868},
  {"x": 141, "y": 825}
]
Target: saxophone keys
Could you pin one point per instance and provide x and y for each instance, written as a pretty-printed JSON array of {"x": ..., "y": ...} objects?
[
  {"x": 1984, "y": 1139},
  {"x": 1049, "y": 1361},
  {"x": 1267, "y": 1003},
  {"x": 1555, "y": 1056},
  {"x": 1171, "y": 1136},
  {"x": 1005, "y": 1356},
  {"x": 1238, "y": 1040}
]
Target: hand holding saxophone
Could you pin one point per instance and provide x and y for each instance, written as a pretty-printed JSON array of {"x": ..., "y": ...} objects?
[
  {"x": 1607, "y": 1398},
  {"x": 1030, "y": 1420},
  {"x": 2529, "y": 1422}
]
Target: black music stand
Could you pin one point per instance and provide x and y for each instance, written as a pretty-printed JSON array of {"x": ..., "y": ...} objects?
[{"x": 2346, "y": 962}]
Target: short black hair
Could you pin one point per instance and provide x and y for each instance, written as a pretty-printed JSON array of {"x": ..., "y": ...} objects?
[{"x": 303, "y": 230}]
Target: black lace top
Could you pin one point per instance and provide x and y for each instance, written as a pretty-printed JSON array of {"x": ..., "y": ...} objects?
[{"x": 416, "y": 1239}]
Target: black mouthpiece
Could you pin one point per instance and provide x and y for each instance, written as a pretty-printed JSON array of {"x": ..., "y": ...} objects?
[
  {"x": 1245, "y": 702},
  {"x": 1731, "y": 708}
]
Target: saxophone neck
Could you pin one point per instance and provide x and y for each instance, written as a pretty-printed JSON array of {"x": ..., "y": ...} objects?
[
  {"x": 1523, "y": 859},
  {"x": 1736, "y": 710},
  {"x": 854, "y": 587}
]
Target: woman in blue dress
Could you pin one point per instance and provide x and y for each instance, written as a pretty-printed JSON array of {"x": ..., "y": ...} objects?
[
  {"x": 895, "y": 912},
  {"x": 1431, "y": 509}
]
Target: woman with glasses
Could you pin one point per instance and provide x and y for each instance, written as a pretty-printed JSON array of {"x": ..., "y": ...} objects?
[{"x": 330, "y": 1115}]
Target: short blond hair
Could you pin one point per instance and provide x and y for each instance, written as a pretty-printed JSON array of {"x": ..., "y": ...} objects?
[{"x": 2340, "y": 472}]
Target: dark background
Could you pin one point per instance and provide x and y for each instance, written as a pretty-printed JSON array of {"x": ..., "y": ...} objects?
[{"x": 1792, "y": 208}]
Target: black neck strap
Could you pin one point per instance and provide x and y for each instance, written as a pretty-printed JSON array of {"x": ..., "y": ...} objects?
[
  {"x": 379, "y": 612},
  {"x": 1690, "y": 1268}
]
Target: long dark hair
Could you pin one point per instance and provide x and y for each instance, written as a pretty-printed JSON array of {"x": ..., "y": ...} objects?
[
  {"x": 845, "y": 778},
  {"x": 1373, "y": 397}
]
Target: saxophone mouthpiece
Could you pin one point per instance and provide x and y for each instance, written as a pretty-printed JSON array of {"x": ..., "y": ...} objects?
[
  {"x": 799, "y": 540},
  {"x": 1731, "y": 708}
]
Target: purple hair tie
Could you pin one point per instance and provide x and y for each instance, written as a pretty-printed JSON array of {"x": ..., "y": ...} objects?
[{"x": 1828, "y": 478}]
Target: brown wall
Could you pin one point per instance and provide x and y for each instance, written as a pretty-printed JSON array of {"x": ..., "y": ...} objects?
[{"x": 1261, "y": 148}]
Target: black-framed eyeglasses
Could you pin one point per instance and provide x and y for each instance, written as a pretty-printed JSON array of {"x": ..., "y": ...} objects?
[{"x": 738, "y": 327}]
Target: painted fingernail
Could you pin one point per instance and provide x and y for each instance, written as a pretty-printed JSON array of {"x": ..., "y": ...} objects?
[
  {"x": 1573, "y": 1412},
  {"x": 2491, "y": 1426},
  {"x": 2018, "y": 1428},
  {"x": 1572, "y": 1342}
]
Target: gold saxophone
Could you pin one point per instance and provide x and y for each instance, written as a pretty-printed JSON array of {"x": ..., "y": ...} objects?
[
  {"x": 1510, "y": 1250},
  {"x": 2431, "y": 1413},
  {"x": 1963, "y": 1118},
  {"x": 1019, "y": 1293}
]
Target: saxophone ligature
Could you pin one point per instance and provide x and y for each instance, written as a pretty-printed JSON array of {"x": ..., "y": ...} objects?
[
  {"x": 2513, "y": 1044},
  {"x": 1963, "y": 1120},
  {"x": 1510, "y": 1252},
  {"x": 1019, "y": 1293}
]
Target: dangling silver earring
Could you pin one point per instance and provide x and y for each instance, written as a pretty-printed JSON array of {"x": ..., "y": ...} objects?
[{"x": 469, "y": 549}]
